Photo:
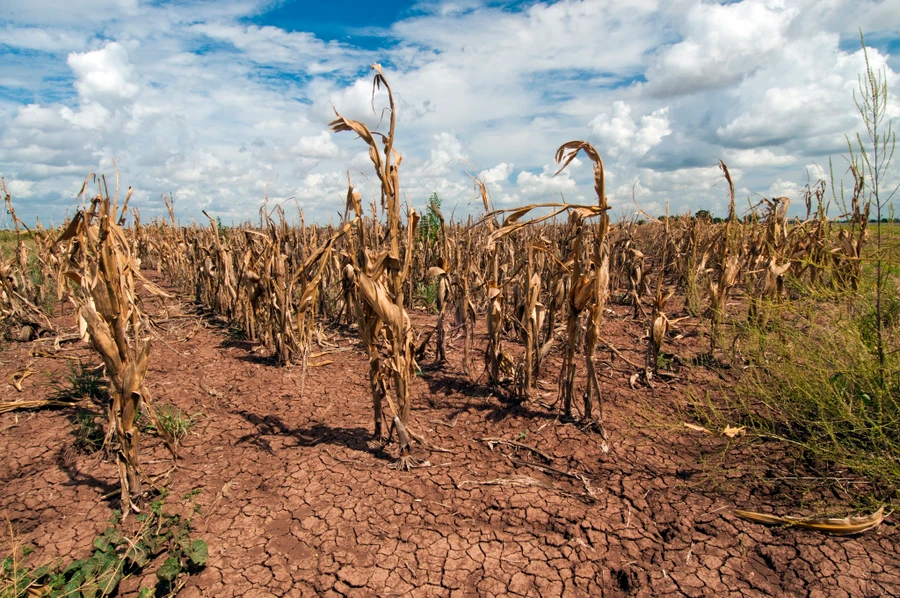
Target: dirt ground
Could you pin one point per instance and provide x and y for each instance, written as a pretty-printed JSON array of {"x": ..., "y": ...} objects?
[{"x": 296, "y": 500}]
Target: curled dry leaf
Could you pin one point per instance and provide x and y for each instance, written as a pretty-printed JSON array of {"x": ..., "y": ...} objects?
[
  {"x": 17, "y": 378},
  {"x": 659, "y": 329},
  {"x": 846, "y": 526},
  {"x": 731, "y": 432},
  {"x": 697, "y": 428}
]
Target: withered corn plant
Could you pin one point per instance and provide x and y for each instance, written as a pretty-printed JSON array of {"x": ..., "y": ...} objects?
[
  {"x": 768, "y": 257},
  {"x": 532, "y": 320},
  {"x": 590, "y": 283},
  {"x": 25, "y": 279},
  {"x": 659, "y": 322},
  {"x": 847, "y": 252},
  {"x": 498, "y": 362},
  {"x": 376, "y": 279},
  {"x": 692, "y": 256},
  {"x": 726, "y": 266},
  {"x": 101, "y": 264}
]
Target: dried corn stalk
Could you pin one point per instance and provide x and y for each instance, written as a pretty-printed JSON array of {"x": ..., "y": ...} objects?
[
  {"x": 659, "y": 323},
  {"x": 377, "y": 280},
  {"x": 726, "y": 248},
  {"x": 590, "y": 283},
  {"x": 20, "y": 294},
  {"x": 441, "y": 273},
  {"x": 100, "y": 262}
]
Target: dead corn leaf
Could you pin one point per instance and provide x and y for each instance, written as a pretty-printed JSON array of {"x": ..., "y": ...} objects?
[
  {"x": 6, "y": 407},
  {"x": 731, "y": 432},
  {"x": 17, "y": 378},
  {"x": 697, "y": 428},
  {"x": 840, "y": 527}
]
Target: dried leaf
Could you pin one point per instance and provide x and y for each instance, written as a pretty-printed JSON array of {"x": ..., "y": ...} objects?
[
  {"x": 731, "y": 432},
  {"x": 846, "y": 526},
  {"x": 697, "y": 428},
  {"x": 17, "y": 378}
]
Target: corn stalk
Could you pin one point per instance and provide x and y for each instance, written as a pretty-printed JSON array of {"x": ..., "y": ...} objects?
[
  {"x": 100, "y": 262},
  {"x": 377, "y": 280},
  {"x": 590, "y": 284}
]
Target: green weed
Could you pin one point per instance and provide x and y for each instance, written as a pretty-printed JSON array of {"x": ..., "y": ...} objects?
[
  {"x": 427, "y": 293},
  {"x": 88, "y": 432},
  {"x": 176, "y": 422},
  {"x": 81, "y": 381},
  {"x": 813, "y": 380},
  {"x": 117, "y": 554}
]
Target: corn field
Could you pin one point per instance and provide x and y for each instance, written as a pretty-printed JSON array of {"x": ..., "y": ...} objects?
[{"x": 511, "y": 288}]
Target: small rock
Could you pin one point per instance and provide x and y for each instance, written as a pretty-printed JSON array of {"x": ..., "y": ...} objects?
[{"x": 26, "y": 333}]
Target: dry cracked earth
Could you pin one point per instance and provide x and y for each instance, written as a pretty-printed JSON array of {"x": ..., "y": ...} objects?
[{"x": 295, "y": 499}]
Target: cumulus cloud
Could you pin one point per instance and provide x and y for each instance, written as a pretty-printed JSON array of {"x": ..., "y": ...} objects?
[
  {"x": 752, "y": 158},
  {"x": 104, "y": 76},
  {"x": 804, "y": 98},
  {"x": 722, "y": 43},
  {"x": 91, "y": 116},
  {"x": 194, "y": 99},
  {"x": 20, "y": 189},
  {"x": 318, "y": 146},
  {"x": 544, "y": 185},
  {"x": 621, "y": 135},
  {"x": 498, "y": 175},
  {"x": 446, "y": 150}
]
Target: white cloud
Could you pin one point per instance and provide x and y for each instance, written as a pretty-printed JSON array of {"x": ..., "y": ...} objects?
[
  {"x": 105, "y": 75},
  {"x": 271, "y": 45},
  {"x": 91, "y": 116},
  {"x": 318, "y": 146},
  {"x": 498, "y": 175},
  {"x": 722, "y": 43},
  {"x": 620, "y": 134},
  {"x": 546, "y": 187},
  {"x": 780, "y": 188},
  {"x": 189, "y": 98},
  {"x": 20, "y": 189},
  {"x": 446, "y": 150},
  {"x": 806, "y": 96},
  {"x": 752, "y": 158},
  {"x": 43, "y": 39},
  {"x": 33, "y": 116},
  {"x": 66, "y": 12}
]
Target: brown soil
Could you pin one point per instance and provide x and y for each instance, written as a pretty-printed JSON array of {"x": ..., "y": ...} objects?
[{"x": 295, "y": 499}]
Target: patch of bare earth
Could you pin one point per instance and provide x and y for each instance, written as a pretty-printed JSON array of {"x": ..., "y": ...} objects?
[{"x": 296, "y": 500}]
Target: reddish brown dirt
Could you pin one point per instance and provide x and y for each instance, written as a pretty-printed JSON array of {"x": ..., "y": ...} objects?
[{"x": 296, "y": 500}]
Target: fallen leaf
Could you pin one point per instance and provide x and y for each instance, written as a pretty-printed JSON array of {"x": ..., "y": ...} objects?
[
  {"x": 732, "y": 432},
  {"x": 841, "y": 527},
  {"x": 17, "y": 378},
  {"x": 697, "y": 428}
]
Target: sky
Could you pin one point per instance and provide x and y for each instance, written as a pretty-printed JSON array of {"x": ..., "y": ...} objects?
[{"x": 224, "y": 104}]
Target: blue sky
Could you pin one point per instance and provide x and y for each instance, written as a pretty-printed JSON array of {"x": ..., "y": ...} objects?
[
  {"x": 341, "y": 20},
  {"x": 223, "y": 103}
]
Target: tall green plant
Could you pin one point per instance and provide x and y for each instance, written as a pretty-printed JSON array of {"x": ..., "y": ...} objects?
[
  {"x": 430, "y": 225},
  {"x": 870, "y": 161}
]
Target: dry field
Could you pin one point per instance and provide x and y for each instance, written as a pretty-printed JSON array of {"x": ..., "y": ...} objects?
[{"x": 534, "y": 402}]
